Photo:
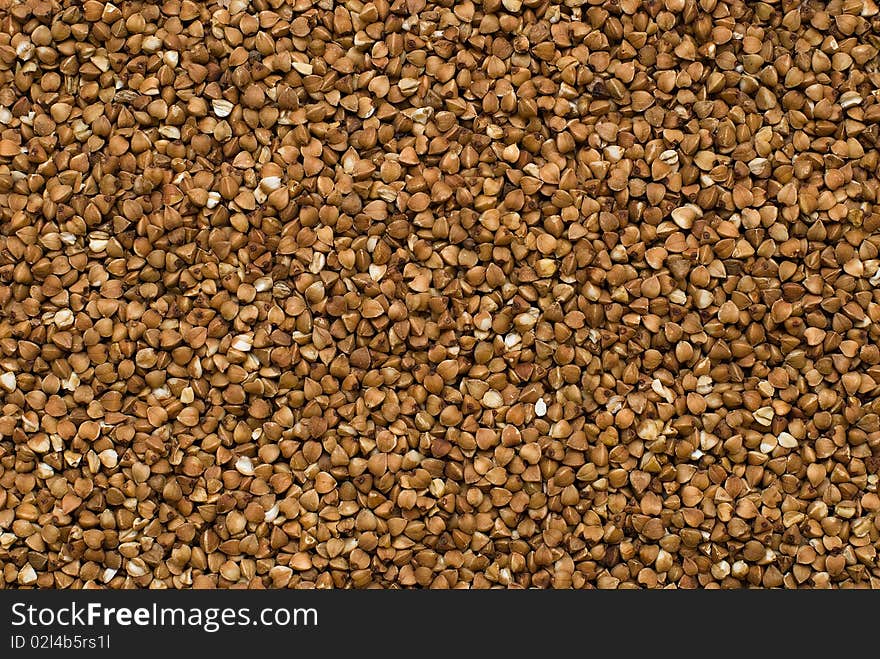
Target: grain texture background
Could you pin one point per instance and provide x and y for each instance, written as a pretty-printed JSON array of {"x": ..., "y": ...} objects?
[{"x": 439, "y": 294}]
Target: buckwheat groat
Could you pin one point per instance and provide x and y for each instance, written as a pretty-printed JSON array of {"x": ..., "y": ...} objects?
[{"x": 435, "y": 294}]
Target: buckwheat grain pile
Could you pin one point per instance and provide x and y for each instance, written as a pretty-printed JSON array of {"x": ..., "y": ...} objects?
[{"x": 439, "y": 294}]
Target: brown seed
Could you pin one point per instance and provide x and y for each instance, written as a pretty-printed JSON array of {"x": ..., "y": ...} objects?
[
  {"x": 324, "y": 483},
  {"x": 8, "y": 148}
]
